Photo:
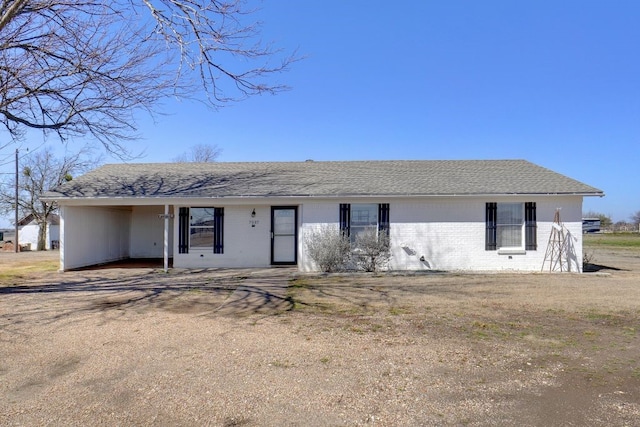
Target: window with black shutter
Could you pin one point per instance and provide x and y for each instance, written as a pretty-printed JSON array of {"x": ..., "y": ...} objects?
[
  {"x": 490, "y": 239},
  {"x": 531, "y": 227},
  {"x": 345, "y": 221},
  {"x": 218, "y": 234},
  {"x": 507, "y": 223},
  {"x": 383, "y": 218},
  {"x": 183, "y": 231},
  {"x": 357, "y": 217},
  {"x": 201, "y": 228}
]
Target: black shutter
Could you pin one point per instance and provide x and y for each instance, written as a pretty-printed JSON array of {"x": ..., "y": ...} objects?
[
  {"x": 530, "y": 227},
  {"x": 218, "y": 231},
  {"x": 383, "y": 217},
  {"x": 183, "y": 231},
  {"x": 345, "y": 218},
  {"x": 490, "y": 235}
]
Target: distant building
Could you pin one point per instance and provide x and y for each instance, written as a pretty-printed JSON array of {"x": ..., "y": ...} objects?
[
  {"x": 7, "y": 234},
  {"x": 28, "y": 230},
  {"x": 590, "y": 225}
]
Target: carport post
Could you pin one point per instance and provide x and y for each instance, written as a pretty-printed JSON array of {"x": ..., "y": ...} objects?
[{"x": 166, "y": 238}]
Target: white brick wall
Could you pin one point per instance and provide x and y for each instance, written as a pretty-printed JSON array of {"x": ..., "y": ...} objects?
[
  {"x": 449, "y": 233},
  {"x": 247, "y": 240},
  {"x": 313, "y": 217}
]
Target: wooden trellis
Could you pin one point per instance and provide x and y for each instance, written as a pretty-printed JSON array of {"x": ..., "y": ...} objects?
[{"x": 557, "y": 254}]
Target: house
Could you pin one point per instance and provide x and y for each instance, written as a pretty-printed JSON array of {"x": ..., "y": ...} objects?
[
  {"x": 442, "y": 215},
  {"x": 28, "y": 229}
]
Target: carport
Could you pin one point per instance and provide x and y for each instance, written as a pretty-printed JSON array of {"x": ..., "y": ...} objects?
[{"x": 100, "y": 234}]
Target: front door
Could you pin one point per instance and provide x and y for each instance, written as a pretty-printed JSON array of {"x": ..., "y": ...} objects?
[{"x": 284, "y": 235}]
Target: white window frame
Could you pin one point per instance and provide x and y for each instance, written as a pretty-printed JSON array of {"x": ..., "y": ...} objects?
[
  {"x": 193, "y": 227},
  {"x": 521, "y": 224},
  {"x": 354, "y": 227}
]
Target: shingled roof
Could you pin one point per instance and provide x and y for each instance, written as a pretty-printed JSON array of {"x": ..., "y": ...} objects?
[{"x": 320, "y": 179}]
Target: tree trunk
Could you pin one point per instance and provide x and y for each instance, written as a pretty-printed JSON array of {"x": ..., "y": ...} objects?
[{"x": 42, "y": 236}]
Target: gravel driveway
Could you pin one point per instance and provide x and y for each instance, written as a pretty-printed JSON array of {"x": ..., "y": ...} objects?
[{"x": 273, "y": 347}]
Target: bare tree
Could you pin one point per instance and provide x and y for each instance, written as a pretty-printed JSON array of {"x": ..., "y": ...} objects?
[
  {"x": 41, "y": 172},
  {"x": 85, "y": 67},
  {"x": 202, "y": 153},
  {"x": 635, "y": 218}
]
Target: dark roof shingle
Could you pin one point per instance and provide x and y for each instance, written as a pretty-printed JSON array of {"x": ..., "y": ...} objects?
[{"x": 319, "y": 178}]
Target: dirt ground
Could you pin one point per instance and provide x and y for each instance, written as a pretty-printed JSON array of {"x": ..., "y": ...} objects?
[{"x": 274, "y": 347}]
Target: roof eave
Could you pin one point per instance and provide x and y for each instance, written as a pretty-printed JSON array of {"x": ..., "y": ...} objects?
[{"x": 52, "y": 198}]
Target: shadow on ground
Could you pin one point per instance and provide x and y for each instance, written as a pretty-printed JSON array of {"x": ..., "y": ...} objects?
[
  {"x": 207, "y": 291},
  {"x": 593, "y": 268}
]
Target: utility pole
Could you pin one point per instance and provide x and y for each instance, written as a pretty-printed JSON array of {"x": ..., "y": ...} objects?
[{"x": 16, "y": 244}]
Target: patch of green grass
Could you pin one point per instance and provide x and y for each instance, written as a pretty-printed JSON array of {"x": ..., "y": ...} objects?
[
  {"x": 298, "y": 283},
  {"x": 484, "y": 330},
  {"x": 376, "y": 327},
  {"x": 396, "y": 311},
  {"x": 13, "y": 274},
  {"x": 603, "y": 318},
  {"x": 481, "y": 334},
  {"x": 612, "y": 240}
]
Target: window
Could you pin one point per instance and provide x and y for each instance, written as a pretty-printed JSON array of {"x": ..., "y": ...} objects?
[
  {"x": 358, "y": 217},
  {"x": 200, "y": 228},
  {"x": 508, "y": 225},
  {"x": 510, "y": 217},
  {"x": 363, "y": 218}
]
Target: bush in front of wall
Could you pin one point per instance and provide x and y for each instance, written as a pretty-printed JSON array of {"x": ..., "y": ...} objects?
[
  {"x": 372, "y": 251},
  {"x": 329, "y": 248}
]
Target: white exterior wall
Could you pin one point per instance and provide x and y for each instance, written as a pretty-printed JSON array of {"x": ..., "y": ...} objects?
[
  {"x": 53, "y": 233},
  {"x": 314, "y": 217},
  {"x": 147, "y": 232},
  {"x": 28, "y": 234},
  {"x": 93, "y": 235},
  {"x": 247, "y": 240},
  {"x": 449, "y": 233}
]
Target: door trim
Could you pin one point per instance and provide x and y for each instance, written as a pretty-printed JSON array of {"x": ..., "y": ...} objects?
[{"x": 295, "y": 234}]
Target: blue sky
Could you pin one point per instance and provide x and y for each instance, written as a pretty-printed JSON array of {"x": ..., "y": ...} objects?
[{"x": 553, "y": 82}]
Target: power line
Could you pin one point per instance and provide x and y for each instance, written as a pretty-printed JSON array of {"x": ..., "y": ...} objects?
[{"x": 27, "y": 152}]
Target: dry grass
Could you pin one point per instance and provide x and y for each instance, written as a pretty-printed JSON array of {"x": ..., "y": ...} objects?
[
  {"x": 20, "y": 267},
  {"x": 272, "y": 347}
]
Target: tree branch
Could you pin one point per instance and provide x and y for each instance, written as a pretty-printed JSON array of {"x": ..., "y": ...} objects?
[{"x": 85, "y": 67}]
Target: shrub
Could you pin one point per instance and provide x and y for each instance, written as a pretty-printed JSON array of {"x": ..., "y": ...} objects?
[
  {"x": 587, "y": 258},
  {"x": 329, "y": 248},
  {"x": 371, "y": 250}
]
